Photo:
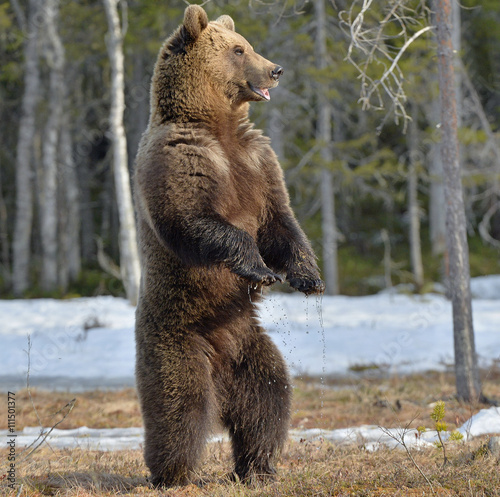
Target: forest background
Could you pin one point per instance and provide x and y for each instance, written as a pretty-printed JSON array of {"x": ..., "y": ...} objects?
[{"x": 366, "y": 183}]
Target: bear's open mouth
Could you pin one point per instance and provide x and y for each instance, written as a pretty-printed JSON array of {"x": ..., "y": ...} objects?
[{"x": 262, "y": 92}]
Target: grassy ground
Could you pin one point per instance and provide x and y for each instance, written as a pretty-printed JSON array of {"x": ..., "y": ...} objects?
[{"x": 305, "y": 469}]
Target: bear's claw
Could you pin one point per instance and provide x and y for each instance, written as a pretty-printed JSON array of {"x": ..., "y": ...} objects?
[
  {"x": 307, "y": 285},
  {"x": 259, "y": 275}
]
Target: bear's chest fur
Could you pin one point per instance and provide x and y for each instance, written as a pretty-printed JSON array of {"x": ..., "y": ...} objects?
[
  {"x": 229, "y": 169},
  {"x": 245, "y": 198}
]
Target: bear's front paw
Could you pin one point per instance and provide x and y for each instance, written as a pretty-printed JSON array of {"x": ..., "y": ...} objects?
[
  {"x": 258, "y": 275},
  {"x": 307, "y": 285}
]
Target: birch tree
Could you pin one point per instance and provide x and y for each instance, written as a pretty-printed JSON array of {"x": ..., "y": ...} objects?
[
  {"x": 129, "y": 258},
  {"x": 24, "y": 169},
  {"x": 54, "y": 53},
  {"x": 324, "y": 137}
]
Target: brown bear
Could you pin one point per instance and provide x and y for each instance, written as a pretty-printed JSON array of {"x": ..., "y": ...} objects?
[{"x": 215, "y": 225}]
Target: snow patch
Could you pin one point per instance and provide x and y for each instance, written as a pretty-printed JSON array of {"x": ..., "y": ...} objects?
[
  {"x": 486, "y": 287},
  {"x": 370, "y": 437},
  {"x": 89, "y": 342}
]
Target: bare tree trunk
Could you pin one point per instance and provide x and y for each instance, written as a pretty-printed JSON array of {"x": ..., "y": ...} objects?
[
  {"x": 275, "y": 132},
  {"x": 4, "y": 240},
  {"x": 456, "y": 41},
  {"x": 49, "y": 216},
  {"x": 437, "y": 202},
  {"x": 324, "y": 136},
  {"x": 129, "y": 258},
  {"x": 62, "y": 232},
  {"x": 137, "y": 116},
  {"x": 466, "y": 370},
  {"x": 24, "y": 171},
  {"x": 72, "y": 196},
  {"x": 384, "y": 235},
  {"x": 86, "y": 216},
  {"x": 69, "y": 233},
  {"x": 414, "y": 208},
  {"x": 328, "y": 226}
]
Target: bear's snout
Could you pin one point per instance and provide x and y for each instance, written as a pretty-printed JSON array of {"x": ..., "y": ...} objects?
[{"x": 276, "y": 73}]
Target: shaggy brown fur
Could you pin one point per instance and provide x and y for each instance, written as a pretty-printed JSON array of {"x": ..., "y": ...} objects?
[{"x": 214, "y": 226}]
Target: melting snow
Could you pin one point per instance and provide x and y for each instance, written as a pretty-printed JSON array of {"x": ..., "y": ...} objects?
[{"x": 486, "y": 421}]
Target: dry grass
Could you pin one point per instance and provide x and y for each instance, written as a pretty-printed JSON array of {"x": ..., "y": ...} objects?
[
  {"x": 96, "y": 409},
  {"x": 305, "y": 469},
  {"x": 386, "y": 402},
  {"x": 335, "y": 403}
]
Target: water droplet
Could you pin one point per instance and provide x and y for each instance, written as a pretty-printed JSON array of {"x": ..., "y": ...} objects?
[{"x": 319, "y": 309}]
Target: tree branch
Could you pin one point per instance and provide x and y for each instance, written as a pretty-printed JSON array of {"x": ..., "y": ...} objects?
[
  {"x": 20, "y": 16},
  {"x": 373, "y": 43}
]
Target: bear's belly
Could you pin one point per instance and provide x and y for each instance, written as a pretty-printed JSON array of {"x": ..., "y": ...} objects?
[{"x": 195, "y": 295}]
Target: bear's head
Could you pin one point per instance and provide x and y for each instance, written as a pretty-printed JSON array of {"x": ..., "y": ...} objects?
[{"x": 206, "y": 67}]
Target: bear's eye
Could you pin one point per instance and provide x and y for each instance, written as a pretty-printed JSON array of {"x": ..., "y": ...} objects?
[{"x": 239, "y": 51}]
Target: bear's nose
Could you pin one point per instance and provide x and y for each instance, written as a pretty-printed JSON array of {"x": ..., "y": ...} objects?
[{"x": 276, "y": 72}]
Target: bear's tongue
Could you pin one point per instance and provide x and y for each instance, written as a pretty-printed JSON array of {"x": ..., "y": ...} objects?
[{"x": 263, "y": 92}]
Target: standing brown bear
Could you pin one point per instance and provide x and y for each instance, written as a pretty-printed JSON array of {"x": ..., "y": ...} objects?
[{"x": 215, "y": 225}]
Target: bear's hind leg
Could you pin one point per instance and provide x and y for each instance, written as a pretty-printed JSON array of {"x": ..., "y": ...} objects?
[
  {"x": 177, "y": 399},
  {"x": 257, "y": 408}
]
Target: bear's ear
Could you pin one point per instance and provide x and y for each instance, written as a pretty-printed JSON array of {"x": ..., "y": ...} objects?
[
  {"x": 195, "y": 21},
  {"x": 226, "y": 21}
]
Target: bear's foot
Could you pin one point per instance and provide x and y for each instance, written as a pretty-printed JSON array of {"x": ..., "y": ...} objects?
[
  {"x": 169, "y": 481},
  {"x": 254, "y": 477}
]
